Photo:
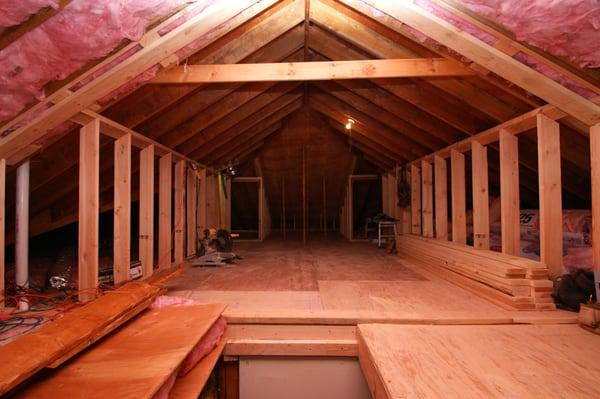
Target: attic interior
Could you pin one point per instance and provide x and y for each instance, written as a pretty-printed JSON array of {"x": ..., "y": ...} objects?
[{"x": 299, "y": 198}]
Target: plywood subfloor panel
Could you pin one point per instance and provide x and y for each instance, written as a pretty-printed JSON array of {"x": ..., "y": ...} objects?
[
  {"x": 515, "y": 361},
  {"x": 133, "y": 362},
  {"x": 252, "y": 300},
  {"x": 335, "y": 280},
  {"x": 420, "y": 297}
]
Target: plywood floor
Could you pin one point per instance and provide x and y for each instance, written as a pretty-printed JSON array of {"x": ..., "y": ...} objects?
[
  {"x": 516, "y": 361},
  {"x": 333, "y": 278}
]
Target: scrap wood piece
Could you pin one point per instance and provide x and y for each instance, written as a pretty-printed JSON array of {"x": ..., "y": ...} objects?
[
  {"x": 53, "y": 343},
  {"x": 133, "y": 362},
  {"x": 162, "y": 277}
]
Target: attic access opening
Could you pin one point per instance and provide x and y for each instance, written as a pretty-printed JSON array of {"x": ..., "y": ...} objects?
[
  {"x": 246, "y": 207},
  {"x": 366, "y": 203}
]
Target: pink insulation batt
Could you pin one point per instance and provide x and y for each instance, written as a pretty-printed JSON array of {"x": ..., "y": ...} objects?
[
  {"x": 83, "y": 31},
  {"x": 209, "y": 341},
  {"x": 569, "y": 28},
  {"x": 13, "y": 12}
]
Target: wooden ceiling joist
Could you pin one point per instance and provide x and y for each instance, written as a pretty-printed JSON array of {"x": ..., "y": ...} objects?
[
  {"x": 491, "y": 58},
  {"x": 381, "y": 46},
  {"x": 48, "y": 169},
  {"x": 270, "y": 37},
  {"x": 317, "y": 70},
  {"x": 334, "y": 48}
]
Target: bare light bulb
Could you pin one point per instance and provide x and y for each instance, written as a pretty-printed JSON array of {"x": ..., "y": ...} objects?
[{"x": 349, "y": 124}]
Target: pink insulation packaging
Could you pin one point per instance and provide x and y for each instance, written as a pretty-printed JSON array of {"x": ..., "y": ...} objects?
[{"x": 208, "y": 342}]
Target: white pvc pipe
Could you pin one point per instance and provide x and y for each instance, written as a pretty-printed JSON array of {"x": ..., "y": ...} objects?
[{"x": 22, "y": 230}]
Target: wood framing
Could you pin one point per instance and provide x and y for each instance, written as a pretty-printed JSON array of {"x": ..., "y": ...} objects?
[
  {"x": 415, "y": 199},
  {"x": 441, "y": 198},
  {"x": 157, "y": 49},
  {"x": 515, "y": 126},
  {"x": 2, "y": 228},
  {"x": 191, "y": 218},
  {"x": 180, "y": 215},
  {"x": 549, "y": 170},
  {"x": 491, "y": 58},
  {"x": 122, "y": 210},
  {"x": 202, "y": 209},
  {"x": 481, "y": 202},
  {"x": 509, "y": 193},
  {"x": 89, "y": 209},
  {"x": 457, "y": 183},
  {"x": 316, "y": 70},
  {"x": 165, "y": 195},
  {"x": 595, "y": 166},
  {"x": 427, "y": 198},
  {"x": 146, "y": 238}
]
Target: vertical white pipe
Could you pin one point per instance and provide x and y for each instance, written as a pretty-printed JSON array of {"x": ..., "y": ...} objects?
[{"x": 22, "y": 230}]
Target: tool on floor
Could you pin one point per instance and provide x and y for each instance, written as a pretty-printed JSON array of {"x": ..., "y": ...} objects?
[{"x": 215, "y": 248}]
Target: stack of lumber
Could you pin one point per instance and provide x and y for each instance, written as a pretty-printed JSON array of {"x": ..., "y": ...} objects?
[
  {"x": 57, "y": 341},
  {"x": 509, "y": 281},
  {"x": 544, "y": 361},
  {"x": 135, "y": 361}
]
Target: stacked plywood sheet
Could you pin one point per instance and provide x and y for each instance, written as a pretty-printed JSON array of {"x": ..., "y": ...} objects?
[
  {"x": 57, "y": 341},
  {"x": 133, "y": 362},
  {"x": 509, "y": 281}
]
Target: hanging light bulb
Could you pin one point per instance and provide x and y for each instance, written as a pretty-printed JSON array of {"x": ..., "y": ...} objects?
[{"x": 349, "y": 124}]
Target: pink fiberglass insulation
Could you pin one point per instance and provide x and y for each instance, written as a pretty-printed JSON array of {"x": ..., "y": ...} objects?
[
  {"x": 554, "y": 75},
  {"x": 83, "y": 31},
  {"x": 13, "y": 12},
  {"x": 207, "y": 343},
  {"x": 569, "y": 28}
]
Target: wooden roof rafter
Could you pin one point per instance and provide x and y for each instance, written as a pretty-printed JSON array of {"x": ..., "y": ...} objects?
[
  {"x": 332, "y": 47},
  {"x": 491, "y": 58},
  {"x": 158, "y": 50},
  {"x": 331, "y": 17},
  {"x": 510, "y": 46},
  {"x": 248, "y": 131},
  {"x": 200, "y": 146},
  {"x": 359, "y": 131},
  {"x": 364, "y": 143},
  {"x": 381, "y": 114},
  {"x": 270, "y": 36},
  {"x": 248, "y": 142}
]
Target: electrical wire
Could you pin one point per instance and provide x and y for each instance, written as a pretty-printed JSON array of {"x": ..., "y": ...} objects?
[{"x": 22, "y": 324}]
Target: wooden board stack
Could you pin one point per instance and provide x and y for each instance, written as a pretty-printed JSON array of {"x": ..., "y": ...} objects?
[
  {"x": 133, "y": 362},
  {"x": 511, "y": 282},
  {"x": 57, "y": 341}
]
